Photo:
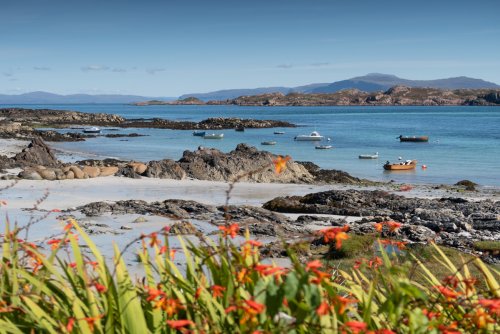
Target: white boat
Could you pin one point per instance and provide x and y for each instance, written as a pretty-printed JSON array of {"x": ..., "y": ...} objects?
[
  {"x": 214, "y": 136},
  {"x": 268, "y": 143},
  {"x": 92, "y": 130},
  {"x": 323, "y": 147},
  {"x": 314, "y": 136},
  {"x": 369, "y": 156}
]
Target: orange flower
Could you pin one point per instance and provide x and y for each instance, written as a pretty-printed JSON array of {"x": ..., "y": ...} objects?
[
  {"x": 72, "y": 264},
  {"x": 343, "y": 302},
  {"x": 243, "y": 276},
  {"x": 469, "y": 284},
  {"x": 378, "y": 227},
  {"x": 71, "y": 323},
  {"x": 316, "y": 264},
  {"x": 375, "y": 262},
  {"x": 493, "y": 305},
  {"x": 91, "y": 321},
  {"x": 451, "y": 329},
  {"x": 231, "y": 230},
  {"x": 254, "y": 243},
  {"x": 338, "y": 239},
  {"x": 54, "y": 243},
  {"x": 217, "y": 290},
  {"x": 99, "y": 287},
  {"x": 230, "y": 309},
  {"x": 154, "y": 239},
  {"x": 178, "y": 324},
  {"x": 280, "y": 163},
  {"x": 393, "y": 226},
  {"x": 356, "y": 326},
  {"x": 336, "y": 234},
  {"x": 448, "y": 293},
  {"x": 252, "y": 309},
  {"x": 267, "y": 270},
  {"x": 323, "y": 309},
  {"x": 451, "y": 281},
  {"x": 94, "y": 264},
  {"x": 320, "y": 276},
  {"x": 154, "y": 293},
  {"x": 55, "y": 210},
  {"x": 169, "y": 305},
  {"x": 481, "y": 319},
  {"x": 430, "y": 315}
]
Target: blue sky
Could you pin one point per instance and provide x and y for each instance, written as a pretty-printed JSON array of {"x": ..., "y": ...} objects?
[{"x": 168, "y": 48}]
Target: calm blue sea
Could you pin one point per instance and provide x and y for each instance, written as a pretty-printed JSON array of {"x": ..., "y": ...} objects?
[{"x": 464, "y": 141}]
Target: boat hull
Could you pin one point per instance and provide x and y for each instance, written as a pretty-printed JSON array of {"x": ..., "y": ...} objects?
[
  {"x": 421, "y": 139},
  {"x": 199, "y": 134},
  {"x": 213, "y": 136},
  {"x": 410, "y": 166},
  {"x": 324, "y": 147},
  {"x": 268, "y": 143},
  {"x": 307, "y": 138},
  {"x": 368, "y": 156}
]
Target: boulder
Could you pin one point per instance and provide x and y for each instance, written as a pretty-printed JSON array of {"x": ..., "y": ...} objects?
[
  {"x": 78, "y": 173},
  {"x": 37, "y": 153},
  {"x": 48, "y": 174},
  {"x": 108, "y": 171},
  {"x": 91, "y": 171},
  {"x": 138, "y": 167},
  {"x": 69, "y": 175},
  {"x": 183, "y": 227},
  {"x": 212, "y": 164},
  {"x": 165, "y": 169},
  {"x": 30, "y": 174}
]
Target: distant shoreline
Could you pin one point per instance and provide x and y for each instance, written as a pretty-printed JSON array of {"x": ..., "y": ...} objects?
[{"x": 395, "y": 96}]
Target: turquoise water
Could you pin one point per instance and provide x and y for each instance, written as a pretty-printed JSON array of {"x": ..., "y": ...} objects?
[{"x": 464, "y": 141}]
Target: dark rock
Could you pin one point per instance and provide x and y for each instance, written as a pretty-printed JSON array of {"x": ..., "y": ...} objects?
[
  {"x": 37, "y": 154},
  {"x": 165, "y": 169},
  {"x": 183, "y": 228},
  {"x": 330, "y": 175},
  {"x": 469, "y": 185}
]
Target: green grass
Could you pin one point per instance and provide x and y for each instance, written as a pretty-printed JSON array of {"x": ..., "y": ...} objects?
[{"x": 487, "y": 246}]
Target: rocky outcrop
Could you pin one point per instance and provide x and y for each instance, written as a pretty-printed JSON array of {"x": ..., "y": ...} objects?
[
  {"x": 329, "y": 176},
  {"x": 49, "y": 116},
  {"x": 451, "y": 221},
  {"x": 165, "y": 169},
  {"x": 212, "y": 164},
  {"x": 398, "y": 95},
  {"x": 37, "y": 154}
]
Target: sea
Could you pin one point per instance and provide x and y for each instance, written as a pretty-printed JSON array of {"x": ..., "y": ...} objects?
[{"x": 464, "y": 142}]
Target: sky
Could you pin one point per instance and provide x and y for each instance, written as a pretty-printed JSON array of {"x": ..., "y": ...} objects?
[{"x": 168, "y": 48}]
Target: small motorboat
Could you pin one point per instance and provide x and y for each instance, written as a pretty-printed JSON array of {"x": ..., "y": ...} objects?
[
  {"x": 414, "y": 139},
  {"x": 406, "y": 165},
  {"x": 314, "y": 136},
  {"x": 214, "y": 136},
  {"x": 199, "y": 133},
  {"x": 323, "y": 147},
  {"x": 279, "y": 132},
  {"x": 92, "y": 130},
  {"x": 369, "y": 156},
  {"x": 239, "y": 128},
  {"x": 271, "y": 142}
]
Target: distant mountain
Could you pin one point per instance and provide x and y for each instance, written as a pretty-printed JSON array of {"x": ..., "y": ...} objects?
[
  {"x": 380, "y": 82},
  {"x": 49, "y": 98},
  {"x": 368, "y": 83}
]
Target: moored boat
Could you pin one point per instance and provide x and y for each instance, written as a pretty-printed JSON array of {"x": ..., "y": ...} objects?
[
  {"x": 279, "y": 132},
  {"x": 369, "y": 156},
  {"x": 415, "y": 139},
  {"x": 323, "y": 147},
  {"x": 199, "y": 133},
  {"x": 271, "y": 142},
  {"x": 314, "y": 136},
  {"x": 93, "y": 129},
  {"x": 406, "y": 165},
  {"x": 214, "y": 136},
  {"x": 239, "y": 128}
]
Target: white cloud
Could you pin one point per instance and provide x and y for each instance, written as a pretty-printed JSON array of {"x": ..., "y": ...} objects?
[
  {"x": 153, "y": 71},
  {"x": 89, "y": 68}
]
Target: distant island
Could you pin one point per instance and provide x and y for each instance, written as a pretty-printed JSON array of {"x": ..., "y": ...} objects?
[{"x": 397, "y": 95}]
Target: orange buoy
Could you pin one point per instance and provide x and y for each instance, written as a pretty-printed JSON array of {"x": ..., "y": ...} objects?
[{"x": 424, "y": 166}]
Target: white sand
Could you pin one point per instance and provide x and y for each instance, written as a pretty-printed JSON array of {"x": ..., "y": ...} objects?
[{"x": 10, "y": 147}]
